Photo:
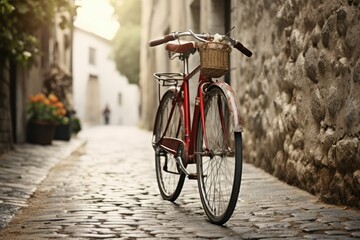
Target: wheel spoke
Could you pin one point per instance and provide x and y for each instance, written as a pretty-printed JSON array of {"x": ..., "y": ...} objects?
[
  {"x": 170, "y": 181},
  {"x": 220, "y": 168}
]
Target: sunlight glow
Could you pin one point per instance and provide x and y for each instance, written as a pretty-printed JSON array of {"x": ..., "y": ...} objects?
[{"x": 96, "y": 16}]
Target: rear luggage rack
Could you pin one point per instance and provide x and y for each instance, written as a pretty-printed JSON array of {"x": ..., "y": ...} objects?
[{"x": 168, "y": 79}]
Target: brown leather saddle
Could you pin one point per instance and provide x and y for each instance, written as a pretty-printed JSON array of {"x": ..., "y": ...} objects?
[{"x": 181, "y": 46}]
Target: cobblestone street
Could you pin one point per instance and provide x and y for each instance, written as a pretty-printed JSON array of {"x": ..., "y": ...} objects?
[{"x": 107, "y": 189}]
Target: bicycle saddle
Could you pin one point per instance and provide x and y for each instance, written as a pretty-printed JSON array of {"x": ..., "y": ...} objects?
[{"x": 181, "y": 46}]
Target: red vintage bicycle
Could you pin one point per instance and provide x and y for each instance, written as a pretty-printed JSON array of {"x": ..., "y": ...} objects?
[{"x": 213, "y": 140}]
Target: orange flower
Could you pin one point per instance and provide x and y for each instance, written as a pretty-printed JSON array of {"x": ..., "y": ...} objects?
[
  {"x": 53, "y": 98},
  {"x": 62, "y": 112},
  {"x": 59, "y": 105},
  {"x": 47, "y": 109},
  {"x": 40, "y": 97},
  {"x": 46, "y": 101},
  {"x": 59, "y": 112}
]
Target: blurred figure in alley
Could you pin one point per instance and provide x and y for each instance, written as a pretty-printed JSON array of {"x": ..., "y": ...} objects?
[{"x": 106, "y": 114}]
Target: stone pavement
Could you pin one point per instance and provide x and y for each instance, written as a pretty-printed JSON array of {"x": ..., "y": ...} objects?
[
  {"x": 23, "y": 169},
  {"x": 108, "y": 190}
]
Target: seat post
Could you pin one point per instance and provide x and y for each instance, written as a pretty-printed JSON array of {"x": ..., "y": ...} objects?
[{"x": 186, "y": 64}]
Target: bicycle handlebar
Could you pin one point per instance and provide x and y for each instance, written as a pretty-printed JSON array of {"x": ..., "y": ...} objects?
[
  {"x": 201, "y": 37},
  {"x": 242, "y": 49},
  {"x": 165, "y": 39}
]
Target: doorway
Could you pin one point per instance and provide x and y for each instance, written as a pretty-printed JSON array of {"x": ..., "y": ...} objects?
[{"x": 92, "y": 102}]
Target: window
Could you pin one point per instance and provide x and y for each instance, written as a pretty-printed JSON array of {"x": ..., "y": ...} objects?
[{"x": 92, "y": 56}]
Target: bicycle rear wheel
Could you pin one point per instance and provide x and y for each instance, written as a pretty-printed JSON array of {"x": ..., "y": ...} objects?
[
  {"x": 169, "y": 177},
  {"x": 220, "y": 166}
]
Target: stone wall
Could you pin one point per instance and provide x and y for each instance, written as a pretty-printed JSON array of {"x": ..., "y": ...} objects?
[{"x": 300, "y": 92}]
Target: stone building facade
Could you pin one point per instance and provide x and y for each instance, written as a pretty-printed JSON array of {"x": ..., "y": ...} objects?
[
  {"x": 97, "y": 83},
  {"x": 19, "y": 82},
  {"x": 299, "y": 93}
]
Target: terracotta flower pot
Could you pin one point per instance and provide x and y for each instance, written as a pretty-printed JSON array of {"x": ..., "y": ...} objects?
[{"x": 40, "y": 132}]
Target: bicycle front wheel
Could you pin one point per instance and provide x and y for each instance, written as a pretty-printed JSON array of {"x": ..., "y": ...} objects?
[
  {"x": 219, "y": 162},
  {"x": 170, "y": 178}
]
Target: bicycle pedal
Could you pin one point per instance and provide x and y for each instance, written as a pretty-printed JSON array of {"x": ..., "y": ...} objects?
[{"x": 193, "y": 176}]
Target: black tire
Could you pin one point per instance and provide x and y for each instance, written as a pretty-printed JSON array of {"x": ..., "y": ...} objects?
[
  {"x": 219, "y": 172},
  {"x": 169, "y": 178}
]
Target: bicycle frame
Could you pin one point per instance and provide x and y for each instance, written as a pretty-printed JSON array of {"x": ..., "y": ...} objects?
[
  {"x": 182, "y": 96},
  {"x": 191, "y": 129},
  {"x": 212, "y": 139}
]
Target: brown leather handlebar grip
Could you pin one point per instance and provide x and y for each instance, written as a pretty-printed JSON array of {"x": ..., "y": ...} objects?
[
  {"x": 243, "y": 49},
  {"x": 165, "y": 39}
]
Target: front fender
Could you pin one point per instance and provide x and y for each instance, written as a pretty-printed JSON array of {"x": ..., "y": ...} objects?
[{"x": 232, "y": 101}]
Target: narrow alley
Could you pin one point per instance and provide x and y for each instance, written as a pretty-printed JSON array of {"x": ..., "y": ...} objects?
[{"x": 107, "y": 190}]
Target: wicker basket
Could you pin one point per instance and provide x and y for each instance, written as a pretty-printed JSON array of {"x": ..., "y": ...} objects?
[{"x": 214, "y": 59}]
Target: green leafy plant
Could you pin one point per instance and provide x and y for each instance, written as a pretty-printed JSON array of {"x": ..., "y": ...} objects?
[
  {"x": 75, "y": 125},
  {"x": 47, "y": 109},
  {"x": 126, "y": 52},
  {"x": 20, "y": 21}
]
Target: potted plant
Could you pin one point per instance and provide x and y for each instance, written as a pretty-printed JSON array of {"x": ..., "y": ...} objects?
[
  {"x": 63, "y": 130},
  {"x": 44, "y": 113},
  {"x": 59, "y": 82}
]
